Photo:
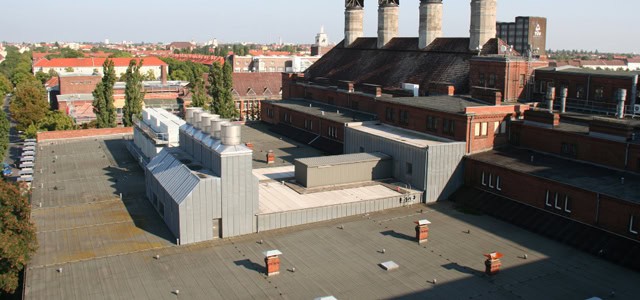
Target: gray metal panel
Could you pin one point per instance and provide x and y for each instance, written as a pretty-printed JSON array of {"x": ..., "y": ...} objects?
[
  {"x": 445, "y": 170},
  {"x": 342, "y": 159},
  {"x": 402, "y": 154},
  {"x": 239, "y": 194},
  {"x": 324, "y": 213},
  {"x": 344, "y": 173}
]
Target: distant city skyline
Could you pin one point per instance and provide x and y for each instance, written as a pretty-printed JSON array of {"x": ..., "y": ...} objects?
[{"x": 587, "y": 25}]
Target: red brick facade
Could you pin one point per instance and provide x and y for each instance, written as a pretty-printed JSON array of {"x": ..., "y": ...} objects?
[
  {"x": 78, "y": 84},
  {"x": 583, "y": 147},
  {"x": 587, "y": 90},
  {"x": 500, "y": 77},
  {"x": 482, "y": 127},
  {"x": 583, "y": 205},
  {"x": 273, "y": 114},
  {"x": 84, "y": 133}
]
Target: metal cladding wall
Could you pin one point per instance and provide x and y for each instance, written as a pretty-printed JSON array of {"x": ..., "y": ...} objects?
[
  {"x": 198, "y": 211},
  {"x": 342, "y": 173},
  {"x": 324, "y": 213},
  {"x": 400, "y": 152},
  {"x": 445, "y": 170},
  {"x": 239, "y": 194},
  {"x": 437, "y": 170}
]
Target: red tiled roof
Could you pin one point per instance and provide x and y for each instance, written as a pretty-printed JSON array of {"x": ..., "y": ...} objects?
[
  {"x": 181, "y": 45},
  {"x": 94, "y": 62},
  {"x": 262, "y": 84},
  {"x": 52, "y": 82},
  {"x": 635, "y": 60},
  {"x": 198, "y": 58},
  {"x": 601, "y": 62}
]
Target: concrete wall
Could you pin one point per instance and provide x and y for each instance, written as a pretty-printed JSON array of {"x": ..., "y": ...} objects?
[{"x": 319, "y": 214}]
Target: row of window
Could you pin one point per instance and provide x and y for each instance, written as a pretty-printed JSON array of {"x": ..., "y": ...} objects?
[
  {"x": 448, "y": 126},
  {"x": 333, "y": 132},
  {"x": 487, "y": 83},
  {"x": 488, "y": 181},
  {"x": 288, "y": 118},
  {"x": 598, "y": 93},
  {"x": 557, "y": 202},
  {"x": 308, "y": 124},
  {"x": 482, "y": 129}
]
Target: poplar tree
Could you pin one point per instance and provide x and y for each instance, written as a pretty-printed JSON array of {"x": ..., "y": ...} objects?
[
  {"x": 221, "y": 84},
  {"x": 103, "y": 105},
  {"x": 133, "y": 94}
]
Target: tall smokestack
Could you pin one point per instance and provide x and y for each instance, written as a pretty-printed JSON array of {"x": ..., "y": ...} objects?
[
  {"x": 163, "y": 74},
  {"x": 353, "y": 21},
  {"x": 387, "y": 21},
  {"x": 430, "y": 22},
  {"x": 483, "y": 22}
]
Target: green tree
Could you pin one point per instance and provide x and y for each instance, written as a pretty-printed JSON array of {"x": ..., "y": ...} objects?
[
  {"x": 69, "y": 69},
  {"x": 150, "y": 75},
  {"x": 56, "y": 120},
  {"x": 29, "y": 104},
  {"x": 5, "y": 86},
  {"x": 17, "y": 235},
  {"x": 120, "y": 54},
  {"x": 133, "y": 94},
  {"x": 200, "y": 97},
  {"x": 220, "y": 85},
  {"x": 103, "y": 105},
  {"x": 4, "y": 133},
  {"x": 43, "y": 77}
]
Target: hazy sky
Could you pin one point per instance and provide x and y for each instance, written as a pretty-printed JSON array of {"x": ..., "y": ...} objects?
[{"x": 572, "y": 24}]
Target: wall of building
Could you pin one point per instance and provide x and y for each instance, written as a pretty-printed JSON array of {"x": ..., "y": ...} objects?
[
  {"x": 584, "y": 206},
  {"x": 324, "y": 213},
  {"x": 271, "y": 113},
  {"x": 327, "y": 175},
  {"x": 78, "y": 84},
  {"x": 582, "y": 89},
  {"x": 589, "y": 149}
]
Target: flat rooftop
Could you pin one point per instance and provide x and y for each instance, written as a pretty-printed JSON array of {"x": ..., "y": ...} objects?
[
  {"x": 324, "y": 111},
  {"x": 278, "y": 197},
  {"x": 345, "y": 263},
  {"x": 444, "y": 103},
  {"x": 581, "y": 175},
  {"x": 77, "y": 208},
  {"x": 404, "y": 136},
  {"x": 285, "y": 149}
]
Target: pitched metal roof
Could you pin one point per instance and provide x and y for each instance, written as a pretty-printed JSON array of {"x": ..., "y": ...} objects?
[{"x": 175, "y": 177}]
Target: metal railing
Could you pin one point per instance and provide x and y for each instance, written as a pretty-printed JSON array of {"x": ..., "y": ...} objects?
[{"x": 160, "y": 138}]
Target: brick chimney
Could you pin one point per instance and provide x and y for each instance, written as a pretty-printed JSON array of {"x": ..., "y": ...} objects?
[{"x": 163, "y": 74}]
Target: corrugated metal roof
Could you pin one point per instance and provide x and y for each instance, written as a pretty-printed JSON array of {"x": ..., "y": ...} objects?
[
  {"x": 173, "y": 176},
  {"x": 342, "y": 159}
]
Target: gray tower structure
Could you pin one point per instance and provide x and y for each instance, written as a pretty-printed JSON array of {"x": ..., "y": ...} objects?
[
  {"x": 388, "y": 11},
  {"x": 430, "y": 22},
  {"x": 353, "y": 21},
  {"x": 483, "y": 22}
]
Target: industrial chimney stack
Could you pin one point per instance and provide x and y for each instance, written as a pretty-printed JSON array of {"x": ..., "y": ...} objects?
[
  {"x": 388, "y": 11},
  {"x": 353, "y": 21},
  {"x": 483, "y": 23},
  {"x": 430, "y": 21}
]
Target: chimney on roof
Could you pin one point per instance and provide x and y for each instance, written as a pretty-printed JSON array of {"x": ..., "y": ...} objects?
[
  {"x": 388, "y": 11},
  {"x": 353, "y": 21},
  {"x": 483, "y": 23},
  {"x": 622, "y": 98},
  {"x": 163, "y": 74},
  {"x": 430, "y": 22}
]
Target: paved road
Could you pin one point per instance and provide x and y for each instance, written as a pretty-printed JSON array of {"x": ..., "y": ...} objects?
[{"x": 15, "y": 141}]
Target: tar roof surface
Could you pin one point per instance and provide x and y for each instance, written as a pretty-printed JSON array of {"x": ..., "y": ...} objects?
[
  {"x": 285, "y": 149},
  {"x": 333, "y": 113},
  {"x": 586, "y": 176},
  {"x": 587, "y": 71},
  {"x": 77, "y": 207},
  {"x": 344, "y": 263},
  {"x": 452, "y": 104}
]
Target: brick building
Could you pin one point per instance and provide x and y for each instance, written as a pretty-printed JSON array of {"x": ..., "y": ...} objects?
[
  {"x": 502, "y": 78},
  {"x": 581, "y": 168},
  {"x": 251, "y": 89},
  {"x": 526, "y": 33},
  {"x": 267, "y": 63},
  {"x": 590, "y": 91}
]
